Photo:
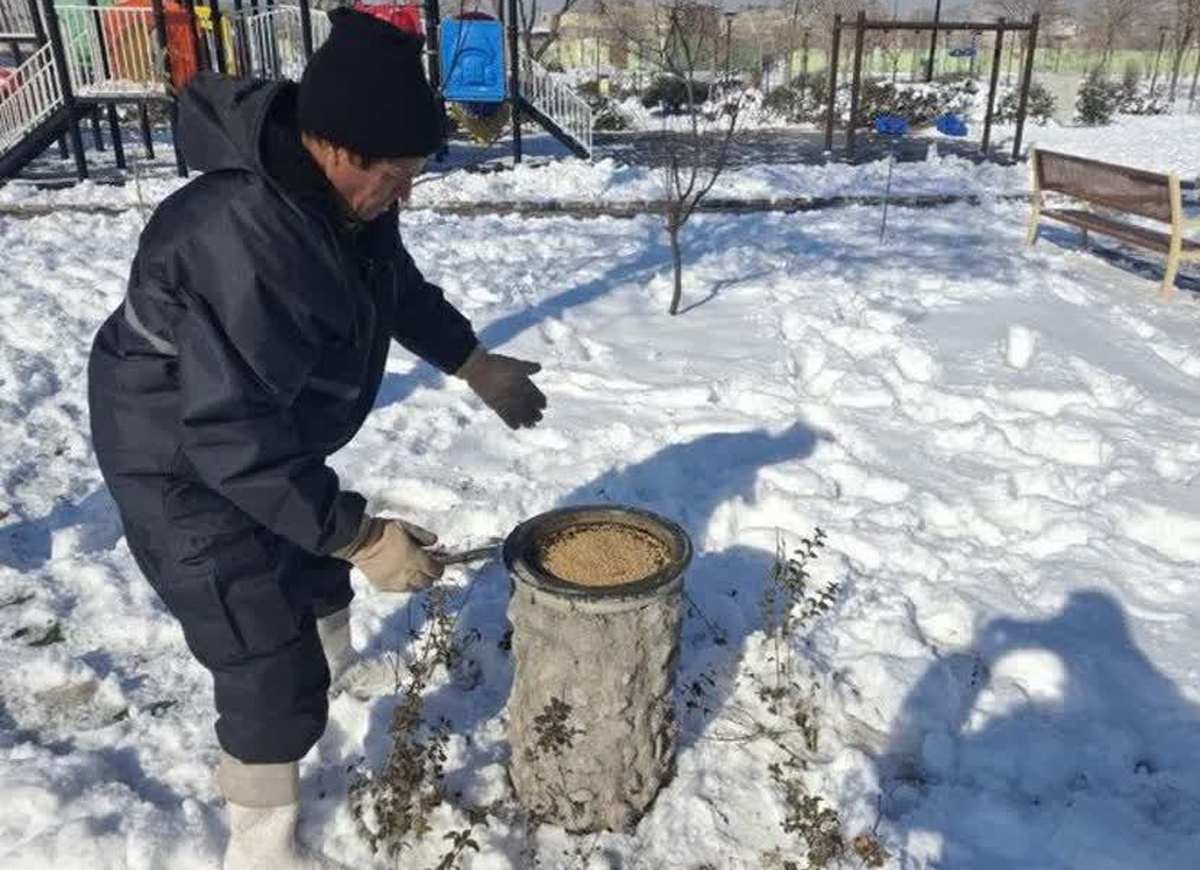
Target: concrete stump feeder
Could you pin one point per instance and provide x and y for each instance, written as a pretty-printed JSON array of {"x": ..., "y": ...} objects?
[{"x": 596, "y": 611}]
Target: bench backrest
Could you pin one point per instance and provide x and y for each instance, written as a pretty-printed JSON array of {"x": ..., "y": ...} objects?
[{"x": 1123, "y": 188}]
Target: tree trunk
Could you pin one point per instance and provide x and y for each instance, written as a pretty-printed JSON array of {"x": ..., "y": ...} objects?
[
  {"x": 673, "y": 229},
  {"x": 591, "y": 718},
  {"x": 1177, "y": 67}
]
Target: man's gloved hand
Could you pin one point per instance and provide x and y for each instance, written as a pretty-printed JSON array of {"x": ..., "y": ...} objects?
[
  {"x": 393, "y": 556},
  {"x": 504, "y": 385}
]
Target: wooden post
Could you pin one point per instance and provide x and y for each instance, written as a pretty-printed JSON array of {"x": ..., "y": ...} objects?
[
  {"x": 218, "y": 22},
  {"x": 514, "y": 59},
  {"x": 1175, "y": 252},
  {"x": 997, "y": 62},
  {"x": 1026, "y": 82},
  {"x": 54, "y": 33},
  {"x": 1035, "y": 215},
  {"x": 160, "y": 29},
  {"x": 937, "y": 17},
  {"x": 856, "y": 84},
  {"x": 306, "y": 29},
  {"x": 834, "y": 52}
]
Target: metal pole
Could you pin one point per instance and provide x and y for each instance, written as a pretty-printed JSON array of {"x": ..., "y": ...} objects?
[
  {"x": 54, "y": 32},
  {"x": 147, "y": 133},
  {"x": 937, "y": 17},
  {"x": 433, "y": 17},
  {"x": 834, "y": 50},
  {"x": 856, "y": 84},
  {"x": 97, "y": 135},
  {"x": 997, "y": 61},
  {"x": 189, "y": 8},
  {"x": 1027, "y": 82},
  {"x": 514, "y": 60},
  {"x": 160, "y": 29},
  {"x": 114, "y": 126},
  {"x": 306, "y": 29},
  {"x": 218, "y": 25},
  {"x": 241, "y": 41}
]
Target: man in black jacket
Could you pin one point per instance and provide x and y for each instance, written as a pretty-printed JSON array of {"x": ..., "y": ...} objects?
[{"x": 250, "y": 346}]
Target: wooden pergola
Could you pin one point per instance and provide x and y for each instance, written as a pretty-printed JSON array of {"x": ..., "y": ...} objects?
[{"x": 862, "y": 25}]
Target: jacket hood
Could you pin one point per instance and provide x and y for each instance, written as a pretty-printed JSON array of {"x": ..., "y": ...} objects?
[{"x": 221, "y": 122}]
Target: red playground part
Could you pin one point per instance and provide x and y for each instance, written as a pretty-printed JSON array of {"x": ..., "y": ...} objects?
[
  {"x": 129, "y": 55},
  {"x": 406, "y": 16}
]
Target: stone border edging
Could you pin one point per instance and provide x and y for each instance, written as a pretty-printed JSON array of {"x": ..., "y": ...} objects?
[{"x": 587, "y": 209}]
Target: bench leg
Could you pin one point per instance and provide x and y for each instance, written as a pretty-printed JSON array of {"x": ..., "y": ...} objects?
[
  {"x": 1083, "y": 238},
  {"x": 1031, "y": 236},
  {"x": 1168, "y": 287}
]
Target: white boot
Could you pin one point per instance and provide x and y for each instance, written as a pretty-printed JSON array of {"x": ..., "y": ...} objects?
[
  {"x": 264, "y": 806},
  {"x": 348, "y": 672}
]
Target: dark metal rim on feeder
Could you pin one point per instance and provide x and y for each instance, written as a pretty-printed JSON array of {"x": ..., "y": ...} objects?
[{"x": 520, "y": 555}]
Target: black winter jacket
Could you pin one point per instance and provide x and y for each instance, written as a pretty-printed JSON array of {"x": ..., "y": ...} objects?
[{"x": 256, "y": 327}]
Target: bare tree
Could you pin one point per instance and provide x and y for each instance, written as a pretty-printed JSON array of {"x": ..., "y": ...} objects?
[
  {"x": 1051, "y": 11},
  {"x": 1109, "y": 19},
  {"x": 528, "y": 13},
  {"x": 683, "y": 40},
  {"x": 1183, "y": 17}
]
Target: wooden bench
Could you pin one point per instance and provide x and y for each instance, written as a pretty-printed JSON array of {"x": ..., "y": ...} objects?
[{"x": 1115, "y": 189}]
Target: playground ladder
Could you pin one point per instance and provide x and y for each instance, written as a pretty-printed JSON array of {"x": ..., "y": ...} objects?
[
  {"x": 29, "y": 99},
  {"x": 557, "y": 107}
]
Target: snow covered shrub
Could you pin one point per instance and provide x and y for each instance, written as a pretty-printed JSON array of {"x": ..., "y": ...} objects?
[
  {"x": 609, "y": 116},
  {"x": 1138, "y": 99},
  {"x": 1145, "y": 102},
  {"x": 670, "y": 93},
  {"x": 1099, "y": 99},
  {"x": 782, "y": 100},
  {"x": 919, "y": 104},
  {"x": 1041, "y": 109}
]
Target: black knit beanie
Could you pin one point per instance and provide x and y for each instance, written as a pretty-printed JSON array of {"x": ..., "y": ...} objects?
[{"x": 365, "y": 89}]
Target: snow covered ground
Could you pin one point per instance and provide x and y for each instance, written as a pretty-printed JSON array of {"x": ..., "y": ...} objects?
[
  {"x": 1168, "y": 143},
  {"x": 1003, "y": 446}
]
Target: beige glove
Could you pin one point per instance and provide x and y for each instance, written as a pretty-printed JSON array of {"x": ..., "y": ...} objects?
[
  {"x": 504, "y": 385},
  {"x": 393, "y": 556}
]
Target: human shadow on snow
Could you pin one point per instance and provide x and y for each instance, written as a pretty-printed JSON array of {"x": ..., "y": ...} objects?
[
  {"x": 26, "y": 544},
  {"x": 1034, "y": 783}
]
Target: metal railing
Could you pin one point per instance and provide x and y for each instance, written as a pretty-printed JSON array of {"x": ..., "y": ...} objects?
[
  {"x": 272, "y": 42},
  {"x": 15, "y": 20},
  {"x": 558, "y": 101},
  {"x": 29, "y": 97},
  {"x": 112, "y": 51}
]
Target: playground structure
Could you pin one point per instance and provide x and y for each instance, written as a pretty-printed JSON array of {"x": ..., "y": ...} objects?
[
  {"x": 862, "y": 26},
  {"x": 73, "y": 61}
]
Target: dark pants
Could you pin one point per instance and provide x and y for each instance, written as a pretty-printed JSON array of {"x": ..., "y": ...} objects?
[{"x": 248, "y": 602}]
